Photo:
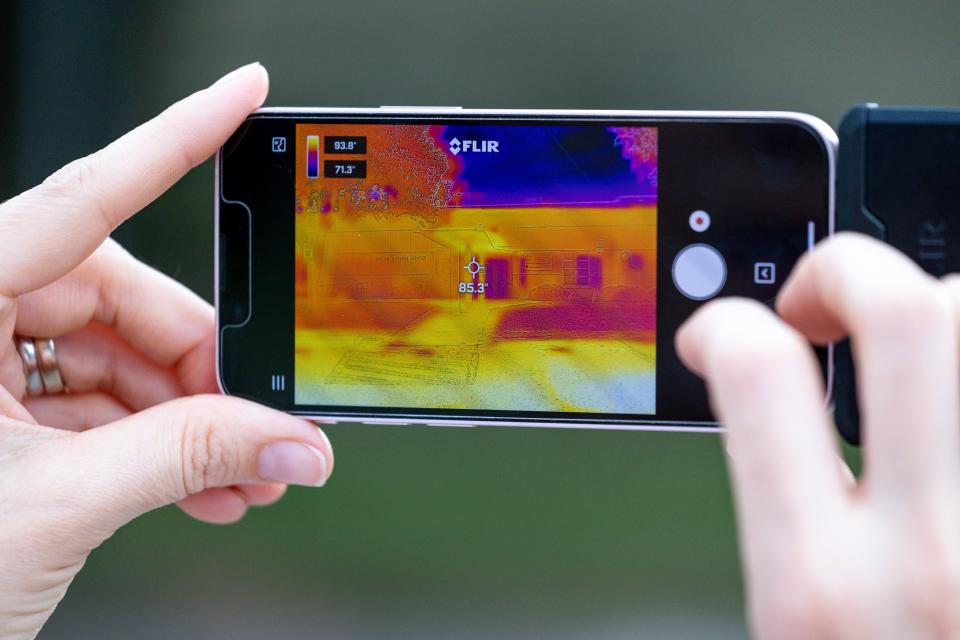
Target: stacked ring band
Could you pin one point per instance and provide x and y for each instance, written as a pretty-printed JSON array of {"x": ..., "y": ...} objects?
[{"x": 40, "y": 367}]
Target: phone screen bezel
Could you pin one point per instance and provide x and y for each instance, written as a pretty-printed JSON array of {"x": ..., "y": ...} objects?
[{"x": 282, "y": 339}]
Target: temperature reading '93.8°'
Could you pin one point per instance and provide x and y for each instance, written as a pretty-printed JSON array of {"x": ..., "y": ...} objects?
[{"x": 356, "y": 145}]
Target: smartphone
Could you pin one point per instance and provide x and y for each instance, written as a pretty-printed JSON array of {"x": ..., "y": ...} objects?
[{"x": 470, "y": 267}]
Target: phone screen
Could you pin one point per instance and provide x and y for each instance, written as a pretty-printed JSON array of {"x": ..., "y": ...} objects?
[
  {"x": 491, "y": 267},
  {"x": 512, "y": 269}
]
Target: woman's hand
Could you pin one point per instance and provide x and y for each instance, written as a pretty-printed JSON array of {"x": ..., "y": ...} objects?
[
  {"x": 136, "y": 351},
  {"x": 826, "y": 556}
]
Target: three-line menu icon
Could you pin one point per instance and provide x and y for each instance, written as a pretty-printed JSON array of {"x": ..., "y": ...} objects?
[{"x": 278, "y": 382}]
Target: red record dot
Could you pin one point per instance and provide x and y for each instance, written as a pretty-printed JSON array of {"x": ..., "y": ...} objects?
[{"x": 699, "y": 221}]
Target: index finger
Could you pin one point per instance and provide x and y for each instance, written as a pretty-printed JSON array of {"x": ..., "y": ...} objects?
[
  {"x": 766, "y": 389},
  {"x": 52, "y": 228},
  {"x": 903, "y": 334}
]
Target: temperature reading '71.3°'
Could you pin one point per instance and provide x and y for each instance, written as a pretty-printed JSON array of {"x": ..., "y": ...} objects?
[{"x": 345, "y": 168}]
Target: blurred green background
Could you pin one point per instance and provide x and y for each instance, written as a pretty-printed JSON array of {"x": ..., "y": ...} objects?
[{"x": 429, "y": 532}]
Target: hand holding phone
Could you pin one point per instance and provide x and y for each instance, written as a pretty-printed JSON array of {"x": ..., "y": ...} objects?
[
  {"x": 111, "y": 436},
  {"x": 825, "y": 555}
]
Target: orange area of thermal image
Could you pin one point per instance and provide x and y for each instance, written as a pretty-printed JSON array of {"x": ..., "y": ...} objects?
[{"x": 524, "y": 308}]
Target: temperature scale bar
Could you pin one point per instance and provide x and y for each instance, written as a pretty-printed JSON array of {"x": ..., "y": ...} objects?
[{"x": 313, "y": 156}]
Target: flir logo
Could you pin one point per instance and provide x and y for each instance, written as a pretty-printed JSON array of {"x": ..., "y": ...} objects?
[{"x": 474, "y": 146}]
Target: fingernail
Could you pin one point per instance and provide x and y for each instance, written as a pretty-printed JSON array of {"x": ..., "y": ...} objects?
[
  {"x": 292, "y": 463},
  {"x": 237, "y": 72}
]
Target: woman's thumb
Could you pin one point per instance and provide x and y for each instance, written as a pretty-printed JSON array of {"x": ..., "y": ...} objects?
[{"x": 119, "y": 471}]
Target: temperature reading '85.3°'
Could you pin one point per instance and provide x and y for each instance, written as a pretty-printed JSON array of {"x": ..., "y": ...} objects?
[
  {"x": 469, "y": 287},
  {"x": 474, "y": 268}
]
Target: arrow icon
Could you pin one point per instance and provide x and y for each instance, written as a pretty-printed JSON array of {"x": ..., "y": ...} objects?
[{"x": 765, "y": 273}]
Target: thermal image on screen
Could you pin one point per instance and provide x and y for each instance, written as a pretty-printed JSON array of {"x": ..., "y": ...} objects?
[{"x": 504, "y": 267}]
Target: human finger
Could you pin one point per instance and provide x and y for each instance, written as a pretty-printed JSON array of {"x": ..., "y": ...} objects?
[
  {"x": 179, "y": 449},
  {"x": 262, "y": 495},
  {"x": 952, "y": 284},
  {"x": 153, "y": 313},
  {"x": 50, "y": 229},
  {"x": 76, "y": 411},
  {"x": 95, "y": 359},
  {"x": 224, "y": 505},
  {"x": 903, "y": 333},
  {"x": 766, "y": 390},
  {"x": 217, "y": 505}
]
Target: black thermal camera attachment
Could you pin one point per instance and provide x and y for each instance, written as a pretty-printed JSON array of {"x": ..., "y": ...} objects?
[{"x": 898, "y": 180}]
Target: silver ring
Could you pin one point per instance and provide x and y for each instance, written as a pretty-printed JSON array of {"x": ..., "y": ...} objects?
[
  {"x": 49, "y": 369},
  {"x": 31, "y": 368},
  {"x": 40, "y": 367}
]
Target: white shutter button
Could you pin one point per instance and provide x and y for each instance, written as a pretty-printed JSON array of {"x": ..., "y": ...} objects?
[{"x": 699, "y": 271}]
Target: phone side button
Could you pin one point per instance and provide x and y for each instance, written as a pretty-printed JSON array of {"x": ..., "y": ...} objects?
[
  {"x": 419, "y": 108},
  {"x": 450, "y": 423},
  {"x": 388, "y": 423}
]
